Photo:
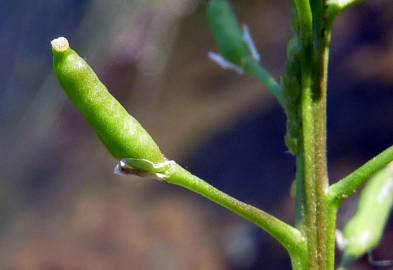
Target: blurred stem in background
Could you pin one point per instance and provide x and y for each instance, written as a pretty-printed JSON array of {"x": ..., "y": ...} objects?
[{"x": 364, "y": 230}]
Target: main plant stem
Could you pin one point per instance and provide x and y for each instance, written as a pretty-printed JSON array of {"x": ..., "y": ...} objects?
[
  {"x": 327, "y": 220},
  {"x": 319, "y": 217}
]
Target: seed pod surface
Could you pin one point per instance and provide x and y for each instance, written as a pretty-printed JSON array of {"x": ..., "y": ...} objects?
[{"x": 123, "y": 136}]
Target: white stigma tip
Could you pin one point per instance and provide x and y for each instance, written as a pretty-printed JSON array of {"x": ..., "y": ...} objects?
[{"x": 60, "y": 44}]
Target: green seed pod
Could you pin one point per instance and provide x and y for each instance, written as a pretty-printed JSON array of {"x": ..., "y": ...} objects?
[
  {"x": 364, "y": 231},
  {"x": 122, "y": 135},
  {"x": 227, "y": 32}
]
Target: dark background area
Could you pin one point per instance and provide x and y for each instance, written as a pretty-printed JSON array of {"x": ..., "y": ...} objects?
[{"x": 61, "y": 207}]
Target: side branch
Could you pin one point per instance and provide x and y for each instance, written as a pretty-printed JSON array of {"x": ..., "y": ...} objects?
[
  {"x": 287, "y": 235},
  {"x": 254, "y": 68},
  {"x": 348, "y": 185}
]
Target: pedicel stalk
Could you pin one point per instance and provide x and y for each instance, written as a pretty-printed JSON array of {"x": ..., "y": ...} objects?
[{"x": 302, "y": 90}]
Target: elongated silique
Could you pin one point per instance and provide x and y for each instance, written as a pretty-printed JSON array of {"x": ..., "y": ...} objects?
[
  {"x": 227, "y": 32},
  {"x": 364, "y": 231},
  {"x": 123, "y": 136}
]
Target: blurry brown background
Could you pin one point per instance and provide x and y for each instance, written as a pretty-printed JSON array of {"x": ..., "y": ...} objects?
[{"x": 60, "y": 205}]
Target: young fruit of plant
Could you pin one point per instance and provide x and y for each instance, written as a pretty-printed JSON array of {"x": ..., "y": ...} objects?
[
  {"x": 228, "y": 34},
  {"x": 364, "y": 231},
  {"x": 104, "y": 113},
  {"x": 237, "y": 48}
]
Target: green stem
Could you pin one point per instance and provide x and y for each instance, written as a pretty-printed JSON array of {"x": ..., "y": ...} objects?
[
  {"x": 309, "y": 162},
  {"x": 349, "y": 184},
  {"x": 299, "y": 204},
  {"x": 313, "y": 111},
  {"x": 331, "y": 234},
  {"x": 253, "y": 68},
  {"x": 288, "y": 236},
  {"x": 325, "y": 222},
  {"x": 308, "y": 140}
]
